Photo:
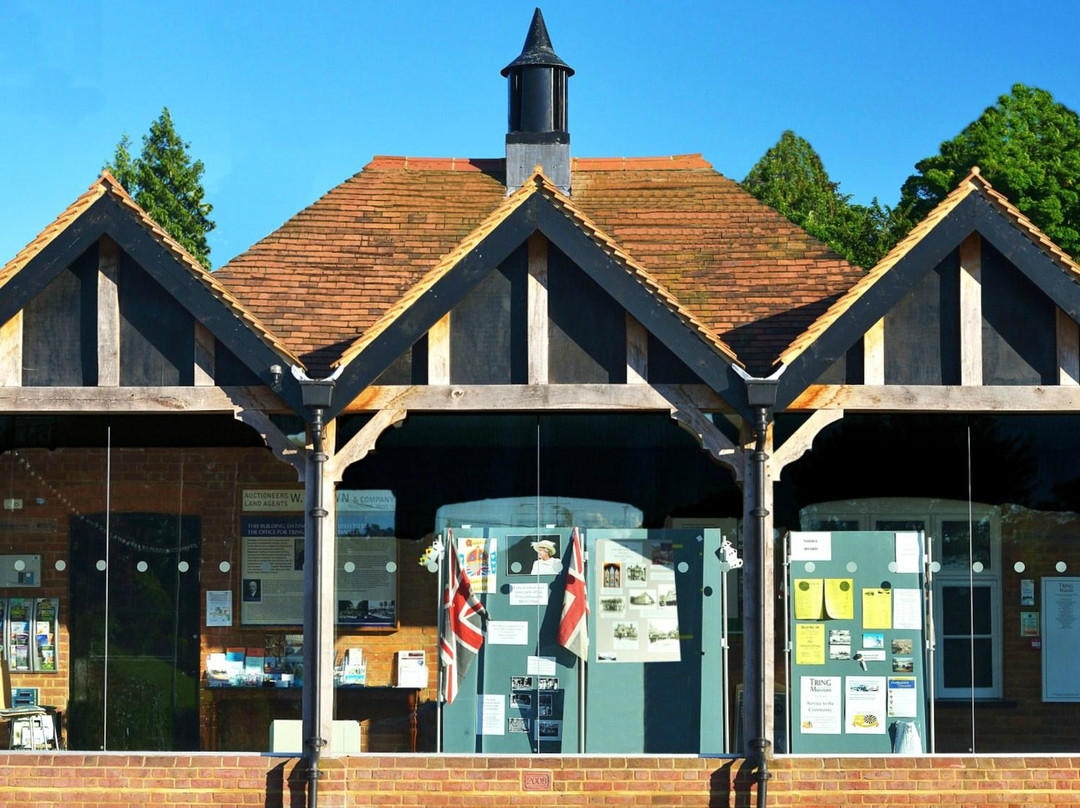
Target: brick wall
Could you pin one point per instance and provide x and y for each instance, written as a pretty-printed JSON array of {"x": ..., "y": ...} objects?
[{"x": 74, "y": 780}]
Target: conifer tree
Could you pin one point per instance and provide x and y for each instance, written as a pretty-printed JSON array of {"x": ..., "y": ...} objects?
[{"x": 167, "y": 184}]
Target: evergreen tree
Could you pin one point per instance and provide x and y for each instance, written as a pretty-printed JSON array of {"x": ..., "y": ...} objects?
[
  {"x": 167, "y": 184},
  {"x": 791, "y": 177},
  {"x": 1028, "y": 147}
]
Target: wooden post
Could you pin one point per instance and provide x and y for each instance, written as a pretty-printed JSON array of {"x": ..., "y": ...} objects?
[
  {"x": 874, "y": 354},
  {"x": 108, "y": 313},
  {"x": 1068, "y": 349},
  {"x": 11, "y": 352},
  {"x": 538, "y": 309},
  {"x": 971, "y": 311},
  {"x": 439, "y": 351},
  {"x": 637, "y": 352},
  {"x": 204, "y": 356}
]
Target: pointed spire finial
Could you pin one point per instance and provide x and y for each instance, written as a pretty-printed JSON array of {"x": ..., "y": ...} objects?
[{"x": 537, "y": 50}]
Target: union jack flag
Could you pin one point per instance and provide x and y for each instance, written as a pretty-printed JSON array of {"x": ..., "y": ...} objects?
[
  {"x": 464, "y": 621},
  {"x": 574, "y": 623}
]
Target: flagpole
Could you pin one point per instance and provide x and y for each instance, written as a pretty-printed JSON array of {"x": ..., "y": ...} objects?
[
  {"x": 583, "y": 673},
  {"x": 438, "y": 655}
]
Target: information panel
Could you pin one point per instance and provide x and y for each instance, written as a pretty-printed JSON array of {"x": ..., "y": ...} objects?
[
  {"x": 856, "y": 614},
  {"x": 1061, "y": 639}
]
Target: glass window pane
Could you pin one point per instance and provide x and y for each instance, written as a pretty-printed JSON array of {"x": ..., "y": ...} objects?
[
  {"x": 956, "y": 554},
  {"x": 960, "y": 655},
  {"x": 900, "y": 525},
  {"x": 956, "y": 604}
]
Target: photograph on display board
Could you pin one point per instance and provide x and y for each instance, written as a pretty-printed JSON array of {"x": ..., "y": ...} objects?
[{"x": 533, "y": 555}]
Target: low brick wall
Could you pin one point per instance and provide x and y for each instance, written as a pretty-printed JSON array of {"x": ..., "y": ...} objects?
[{"x": 79, "y": 780}]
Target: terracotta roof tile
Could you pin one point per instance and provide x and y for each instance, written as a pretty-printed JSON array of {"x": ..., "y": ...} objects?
[
  {"x": 728, "y": 264},
  {"x": 107, "y": 184},
  {"x": 974, "y": 182}
]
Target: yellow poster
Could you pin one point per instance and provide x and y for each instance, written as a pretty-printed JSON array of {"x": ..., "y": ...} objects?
[
  {"x": 840, "y": 598},
  {"x": 809, "y": 643},
  {"x": 808, "y": 599},
  {"x": 877, "y": 608}
]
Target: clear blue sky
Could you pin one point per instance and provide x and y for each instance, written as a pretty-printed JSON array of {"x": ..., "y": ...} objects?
[{"x": 282, "y": 101}]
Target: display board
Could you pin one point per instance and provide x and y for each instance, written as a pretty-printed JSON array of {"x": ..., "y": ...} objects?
[
  {"x": 272, "y": 558},
  {"x": 857, "y": 618},
  {"x": 1061, "y": 639},
  {"x": 656, "y": 638}
]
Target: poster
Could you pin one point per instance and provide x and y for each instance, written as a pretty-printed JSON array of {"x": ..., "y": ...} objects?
[
  {"x": 877, "y": 608},
  {"x": 809, "y": 643},
  {"x": 366, "y": 558},
  {"x": 903, "y": 697},
  {"x": 809, "y": 598},
  {"x": 272, "y": 558},
  {"x": 479, "y": 558},
  {"x": 811, "y": 546},
  {"x": 820, "y": 710},
  {"x": 864, "y": 705},
  {"x": 840, "y": 598},
  {"x": 637, "y": 616},
  {"x": 907, "y": 609},
  {"x": 271, "y": 570},
  {"x": 219, "y": 608}
]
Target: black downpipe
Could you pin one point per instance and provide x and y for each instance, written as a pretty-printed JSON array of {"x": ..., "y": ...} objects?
[
  {"x": 760, "y": 744},
  {"x": 312, "y": 677}
]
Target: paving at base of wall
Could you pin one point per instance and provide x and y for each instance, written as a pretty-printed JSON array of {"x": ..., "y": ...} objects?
[{"x": 80, "y": 780}]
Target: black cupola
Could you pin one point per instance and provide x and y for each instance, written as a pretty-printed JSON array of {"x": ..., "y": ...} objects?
[{"x": 537, "y": 132}]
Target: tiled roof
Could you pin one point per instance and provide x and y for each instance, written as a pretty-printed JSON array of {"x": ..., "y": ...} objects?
[
  {"x": 736, "y": 268},
  {"x": 537, "y": 184},
  {"x": 107, "y": 184},
  {"x": 974, "y": 182}
]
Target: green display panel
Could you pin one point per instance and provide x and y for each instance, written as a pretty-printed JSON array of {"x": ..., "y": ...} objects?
[
  {"x": 655, "y": 677},
  {"x": 857, "y": 618}
]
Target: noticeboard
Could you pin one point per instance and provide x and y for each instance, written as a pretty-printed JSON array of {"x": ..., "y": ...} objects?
[{"x": 857, "y": 617}]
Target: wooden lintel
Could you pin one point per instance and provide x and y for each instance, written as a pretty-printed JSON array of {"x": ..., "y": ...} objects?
[
  {"x": 11, "y": 336},
  {"x": 637, "y": 352},
  {"x": 874, "y": 353},
  {"x": 971, "y": 310},
  {"x": 108, "y": 313},
  {"x": 538, "y": 309},
  {"x": 514, "y": 397},
  {"x": 951, "y": 398},
  {"x": 59, "y": 400},
  {"x": 438, "y": 338},
  {"x": 1068, "y": 349}
]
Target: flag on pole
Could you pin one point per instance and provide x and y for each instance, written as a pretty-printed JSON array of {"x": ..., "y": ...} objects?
[
  {"x": 464, "y": 621},
  {"x": 574, "y": 623}
]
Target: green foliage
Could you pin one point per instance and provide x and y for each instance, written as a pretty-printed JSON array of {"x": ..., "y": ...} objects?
[
  {"x": 167, "y": 184},
  {"x": 1028, "y": 147},
  {"x": 791, "y": 178}
]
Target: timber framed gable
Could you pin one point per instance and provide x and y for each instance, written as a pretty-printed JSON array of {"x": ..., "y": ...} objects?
[
  {"x": 104, "y": 299},
  {"x": 536, "y": 244},
  {"x": 975, "y": 297}
]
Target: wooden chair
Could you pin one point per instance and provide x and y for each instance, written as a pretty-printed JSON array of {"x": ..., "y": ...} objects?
[{"x": 33, "y": 719}]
